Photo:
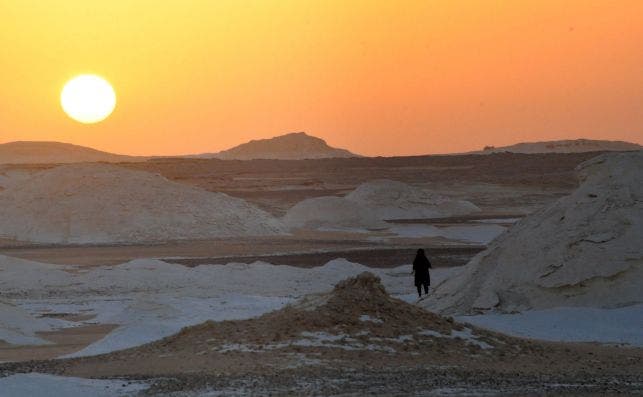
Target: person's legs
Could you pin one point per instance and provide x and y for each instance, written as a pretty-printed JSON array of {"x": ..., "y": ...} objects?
[
  {"x": 426, "y": 288},
  {"x": 419, "y": 287}
]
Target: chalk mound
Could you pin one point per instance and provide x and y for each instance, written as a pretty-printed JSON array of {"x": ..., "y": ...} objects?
[
  {"x": 389, "y": 199},
  {"x": 332, "y": 213},
  {"x": 101, "y": 203},
  {"x": 584, "y": 250},
  {"x": 40, "y": 152},
  {"x": 293, "y": 146},
  {"x": 371, "y": 204},
  {"x": 357, "y": 315},
  {"x": 22, "y": 279}
]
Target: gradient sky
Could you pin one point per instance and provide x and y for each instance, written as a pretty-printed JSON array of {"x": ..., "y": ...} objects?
[{"x": 376, "y": 77}]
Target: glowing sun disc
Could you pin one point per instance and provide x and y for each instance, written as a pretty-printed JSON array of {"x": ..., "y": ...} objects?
[{"x": 88, "y": 98}]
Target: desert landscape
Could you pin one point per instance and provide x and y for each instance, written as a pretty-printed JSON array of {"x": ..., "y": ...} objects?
[
  {"x": 321, "y": 198},
  {"x": 189, "y": 276}
]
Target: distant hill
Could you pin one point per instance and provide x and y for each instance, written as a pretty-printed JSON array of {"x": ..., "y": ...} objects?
[
  {"x": 564, "y": 146},
  {"x": 294, "y": 146},
  {"x": 41, "y": 152}
]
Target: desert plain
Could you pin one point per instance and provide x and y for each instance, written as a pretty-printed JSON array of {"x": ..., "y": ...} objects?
[{"x": 205, "y": 276}]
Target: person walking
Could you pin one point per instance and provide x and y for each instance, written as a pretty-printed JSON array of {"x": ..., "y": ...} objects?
[{"x": 421, "y": 266}]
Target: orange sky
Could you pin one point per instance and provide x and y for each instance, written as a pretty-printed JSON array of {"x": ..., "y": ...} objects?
[{"x": 376, "y": 77}]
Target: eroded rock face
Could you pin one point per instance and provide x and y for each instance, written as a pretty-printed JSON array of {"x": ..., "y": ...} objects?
[
  {"x": 583, "y": 250},
  {"x": 101, "y": 203}
]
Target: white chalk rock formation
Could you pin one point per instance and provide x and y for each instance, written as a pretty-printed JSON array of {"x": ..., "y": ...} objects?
[
  {"x": 101, "y": 203},
  {"x": 389, "y": 199},
  {"x": 333, "y": 213},
  {"x": 18, "y": 327},
  {"x": 371, "y": 204},
  {"x": 584, "y": 250}
]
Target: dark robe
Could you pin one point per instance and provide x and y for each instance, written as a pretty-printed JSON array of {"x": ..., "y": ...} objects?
[{"x": 421, "y": 266}]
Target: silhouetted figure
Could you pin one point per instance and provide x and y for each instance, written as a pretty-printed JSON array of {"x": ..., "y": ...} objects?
[{"x": 421, "y": 266}]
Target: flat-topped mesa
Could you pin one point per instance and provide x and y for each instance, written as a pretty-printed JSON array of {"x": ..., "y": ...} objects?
[
  {"x": 293, "y": 146},
  {"x": 564, "y": 146}
]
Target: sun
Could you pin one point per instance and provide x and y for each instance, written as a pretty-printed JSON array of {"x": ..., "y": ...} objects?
[{"x": 88, "y": 98}]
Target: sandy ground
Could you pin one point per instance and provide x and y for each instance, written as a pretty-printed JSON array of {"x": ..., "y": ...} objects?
[
  {"x": 44, "y": 385},
  {"x": 505, "y": 186},
  {"x": 63, "y": 341},
  {"x": 149, "y": 299},
  {"x": 305, "y": 249},
  {"x": 356, "y": 339}
]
